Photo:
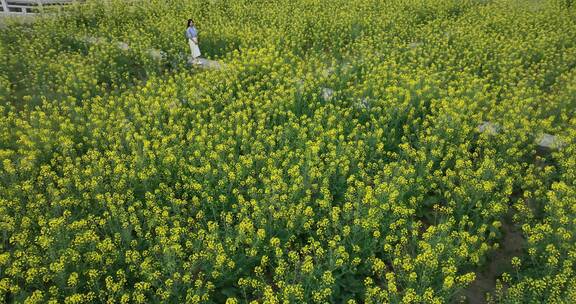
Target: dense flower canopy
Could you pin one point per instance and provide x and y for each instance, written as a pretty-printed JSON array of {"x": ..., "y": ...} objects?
[{"x": 336, "y": 158}]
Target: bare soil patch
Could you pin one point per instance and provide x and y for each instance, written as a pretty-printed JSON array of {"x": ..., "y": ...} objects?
[{"x": 500, "y": 261}]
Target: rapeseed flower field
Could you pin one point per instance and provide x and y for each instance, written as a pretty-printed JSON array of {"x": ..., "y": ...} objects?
[{"x": 336, "y": 158}]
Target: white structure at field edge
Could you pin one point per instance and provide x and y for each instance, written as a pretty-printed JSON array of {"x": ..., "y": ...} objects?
[{"x": 27, "y": 7}]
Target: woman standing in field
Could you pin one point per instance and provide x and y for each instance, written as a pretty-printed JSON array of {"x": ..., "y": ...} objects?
[{"x": 192, "y": 35}]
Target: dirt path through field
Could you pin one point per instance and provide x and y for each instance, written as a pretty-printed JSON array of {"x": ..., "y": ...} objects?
[{"x": 511, "y": 245}]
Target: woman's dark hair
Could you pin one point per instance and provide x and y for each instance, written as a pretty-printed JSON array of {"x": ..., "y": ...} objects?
[{"x": 190, "y": 22}]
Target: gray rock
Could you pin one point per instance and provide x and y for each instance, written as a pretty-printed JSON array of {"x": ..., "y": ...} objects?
[
  {"x": 549, "y": 141},
  {"x": 191, "y": 61},
  {"x": 204, "y": 63},
  {"x": 327, "y": 94},
  {"x": 489, "y": 128},
  {"x": 156, "y": 54},
  {"x": 364, "y": 103},
  {"x": 93, "y": 40},
  {"x": 415, "y": 44},
  {"x": 123, "y": 46},
  {"x": 328, "y": 71}
]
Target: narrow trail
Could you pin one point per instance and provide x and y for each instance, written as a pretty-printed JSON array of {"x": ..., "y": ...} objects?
[
  {"x": 511, "y": 245},
  {"x": 512, "y": 241}
]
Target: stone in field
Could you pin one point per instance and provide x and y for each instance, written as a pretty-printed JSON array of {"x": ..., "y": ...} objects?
[
  {"x": 364, "y": 103},
  {"x": 489, "y": 127},
  {"x": 123, "y": 46},
  {"x": 327, "y": 94},
  {"x": 93, "y": 40},
  {"x": 204, "y": 63},
  {"x": 549, "y": 141},
  {"x": 415, "y": 44},
  {"x": 328, "y": 71},
  {"x": 156, "y": 54}
]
